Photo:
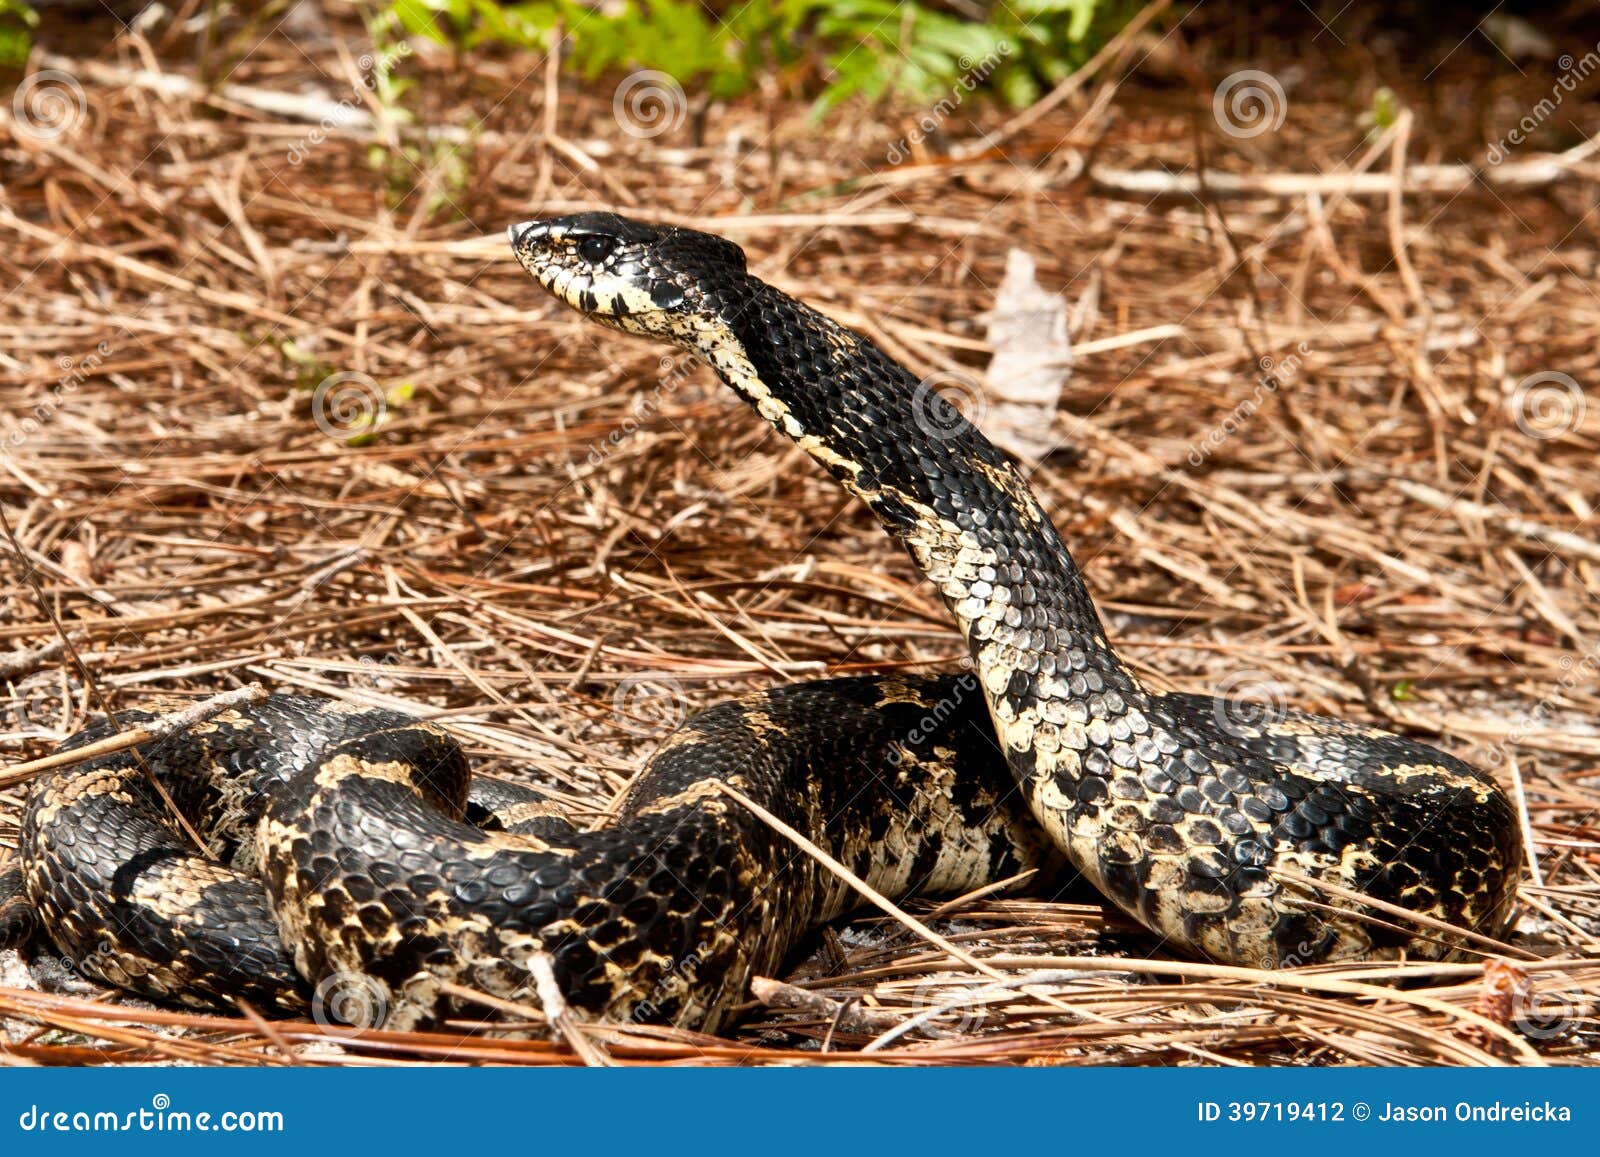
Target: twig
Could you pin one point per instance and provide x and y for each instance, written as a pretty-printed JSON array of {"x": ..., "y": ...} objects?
[
  {"x": 872, "y": 894},
  {"x": 560, "y": 1015},
  {"x": 1521, "y": 795},
  {"x": 1266, "y": 978},
  {"x": 1396, "y": 220},
  {"x": 846, "y": 1015},
  {"x": 25, "y": 662},
  {"x": 966, "y": 1000},
  {"x": 1416, "y": 179},
  {"x": 157, "y": 728},
  {"x": 1501, "y": 517},
  {"x": 312, "y": 108}
]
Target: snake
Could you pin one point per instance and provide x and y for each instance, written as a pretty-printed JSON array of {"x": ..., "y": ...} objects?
[{"x": 353, "y": 862}]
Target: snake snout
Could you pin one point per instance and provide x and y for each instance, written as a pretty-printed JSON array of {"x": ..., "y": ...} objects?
[{"x": 529, "y": 230}]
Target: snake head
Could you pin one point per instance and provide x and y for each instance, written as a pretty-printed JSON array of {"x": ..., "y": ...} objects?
[{"x": 660, "y": 281}]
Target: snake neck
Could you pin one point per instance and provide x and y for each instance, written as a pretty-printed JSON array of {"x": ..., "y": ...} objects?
[{"x": 970, "y": 521}]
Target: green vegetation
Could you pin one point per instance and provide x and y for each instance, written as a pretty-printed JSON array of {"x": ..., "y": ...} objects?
[
  {"x": 870, "y": 48},
  {"x": 1384, "y": 112},
  {"x": 437, "y": 170},
  {"x": 17, "y": 24}
]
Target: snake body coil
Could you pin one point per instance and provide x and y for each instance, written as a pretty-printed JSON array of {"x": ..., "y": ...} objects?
[{"x": 356, "y": 845}]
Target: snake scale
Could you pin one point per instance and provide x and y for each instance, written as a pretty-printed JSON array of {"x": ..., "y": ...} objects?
[{"x": 355, "y": 843}]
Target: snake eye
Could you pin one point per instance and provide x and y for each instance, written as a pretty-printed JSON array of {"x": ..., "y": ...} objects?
[{"x": 596, "y": 247}]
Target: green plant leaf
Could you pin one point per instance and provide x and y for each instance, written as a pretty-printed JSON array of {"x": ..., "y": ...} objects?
[{"x": 871, "y": 49}]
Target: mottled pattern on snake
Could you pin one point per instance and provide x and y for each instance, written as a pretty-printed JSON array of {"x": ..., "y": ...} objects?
[
  {"x": 1200, "y": 818},
  {"x": 383, "y": 861}
]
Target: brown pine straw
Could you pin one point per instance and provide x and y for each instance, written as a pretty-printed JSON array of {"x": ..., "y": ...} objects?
[{"x": 1295, "y": 463}]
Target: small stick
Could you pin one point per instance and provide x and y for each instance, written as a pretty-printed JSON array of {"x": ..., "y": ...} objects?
[
  {"x": 921, "y": 1019},
  {"x": 1418, "y": 179},
  {"x": 158, "y": 728},
  {"x": 24, "y": 662},
  {"x": 877, "y": 897},
  {"x": 860, "y": 885},
  {"x": 1499, "y": 516},
  {"x": 957, "y": 903},
  {"x": 846, "y": 1015},
  {"x": 559, "y": 1015},
  {"x": 1306, "y": 982},
  {"x": 526, "y": 1012},
  {"x": 1397, "y": 197},
  {"x": 1526, "y": 821},
  {"x": 265, "y": 1028}
]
